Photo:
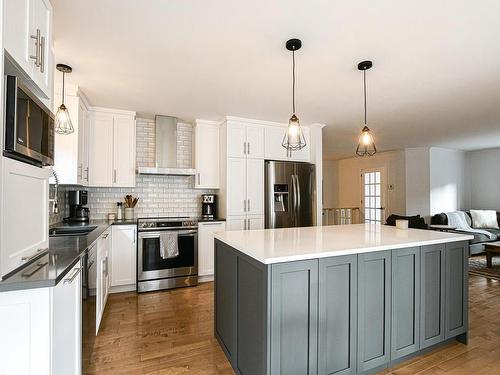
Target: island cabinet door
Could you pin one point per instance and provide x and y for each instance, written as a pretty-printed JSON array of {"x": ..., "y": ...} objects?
[
  {"x": 374, "y": 309},
  {"x": 337, "y": 315},
  {"x": 432, "y": 271},
  {"x": 405, "y": 316},
  {"x": 226, "y": 299},
  {"x": 294, "y": 308},
  {"x": 456, "y": 289}
]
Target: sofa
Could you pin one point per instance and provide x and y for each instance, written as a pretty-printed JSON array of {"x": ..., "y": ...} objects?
[
  {"x": 477, "y": 244},
  {"x": 416, "y": 221}
]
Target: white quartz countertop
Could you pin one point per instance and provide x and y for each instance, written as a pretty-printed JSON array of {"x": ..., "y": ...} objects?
[{"x": 284, "y": 245}]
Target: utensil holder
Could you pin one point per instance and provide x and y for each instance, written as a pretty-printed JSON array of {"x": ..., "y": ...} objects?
[{"x": 129, "y": 213}]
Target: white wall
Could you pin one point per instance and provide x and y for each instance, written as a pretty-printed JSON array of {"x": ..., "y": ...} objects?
[
  {"x": 483, "y": 179},
  {"x": 417, "y": 181},
  {"x": 447, "y": 180},
  {"x": 343, "y": 184}
]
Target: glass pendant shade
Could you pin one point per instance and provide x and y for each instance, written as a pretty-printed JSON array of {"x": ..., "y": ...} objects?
[
  {"x": 63, "y": 124},
  {"x": 294, "y": 139},
  {"x": 366, "y": 144}
]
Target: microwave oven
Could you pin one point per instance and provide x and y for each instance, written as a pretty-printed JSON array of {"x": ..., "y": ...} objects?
[{"x": 29, "y": 125}]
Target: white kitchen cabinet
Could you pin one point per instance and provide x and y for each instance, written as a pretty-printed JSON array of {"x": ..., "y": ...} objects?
[
  {"x": 67, "y": 328},
  {"x": 111, "y": 149},
  {"x": 236, "y": 223},
  {"x": 24, "y": 204},
  {"x": 255, "y": 186},
  {"x": 28, "y": 40},
  {"x": 103, "y": 277},
  {"x": 275, "y": 151},
  {"x": 123, "y": 255},
  {"x": 206, "y": 155},
  {"x": 124, "y": 155},
  {"x": 206, "y": 232},
  {"x": 255, "y": 222},
  {"x": 71, "y": 153},
  {"x": 244, "y": 140},
  {"x": 236, "y": 182}
]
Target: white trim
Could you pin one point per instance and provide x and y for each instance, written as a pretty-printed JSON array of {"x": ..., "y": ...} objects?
[
  {"x": 113, "y": 111},
  {"x": 122, "y": 288},
  {"x": 205, "y": 278}
]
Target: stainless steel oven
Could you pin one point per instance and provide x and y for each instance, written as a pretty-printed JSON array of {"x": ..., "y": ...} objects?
[{"x": 155, "y": 272}]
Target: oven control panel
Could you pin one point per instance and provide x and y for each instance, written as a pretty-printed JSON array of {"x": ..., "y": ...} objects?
[{"x": 153, "y": 223}]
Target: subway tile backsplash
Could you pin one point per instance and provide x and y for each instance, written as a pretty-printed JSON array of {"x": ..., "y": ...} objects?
[{"x": 158, "y": 195}]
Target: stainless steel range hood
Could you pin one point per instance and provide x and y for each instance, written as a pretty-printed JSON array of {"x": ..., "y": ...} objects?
[{"x": 166, "y": 150}]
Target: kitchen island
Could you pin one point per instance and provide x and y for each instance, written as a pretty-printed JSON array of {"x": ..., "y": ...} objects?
[{"x": 337, "y": 299}]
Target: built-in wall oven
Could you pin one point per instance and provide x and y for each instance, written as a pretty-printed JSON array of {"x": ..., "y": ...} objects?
[{"x": 156, "y": 271}]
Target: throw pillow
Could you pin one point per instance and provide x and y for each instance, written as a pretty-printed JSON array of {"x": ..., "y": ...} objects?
[{"x": 484, "y": 219}]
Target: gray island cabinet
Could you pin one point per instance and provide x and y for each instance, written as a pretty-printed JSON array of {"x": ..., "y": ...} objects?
[{"x": 346, "y": 314}]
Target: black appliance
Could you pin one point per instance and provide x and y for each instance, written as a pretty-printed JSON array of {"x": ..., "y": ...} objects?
[
  {"x": 29, "y": 125},
  {"x": 208, "y": 206},
  {"x": 89, "y": 281},
  {"x": 77, "y": 199},
  {"x": 155, "y": 272}
]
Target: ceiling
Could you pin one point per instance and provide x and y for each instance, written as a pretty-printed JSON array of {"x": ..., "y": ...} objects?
[{"x": 435, "y": 79}]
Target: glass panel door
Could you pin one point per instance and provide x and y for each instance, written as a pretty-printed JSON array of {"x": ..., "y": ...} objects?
[{"x": 372, "y": 186}]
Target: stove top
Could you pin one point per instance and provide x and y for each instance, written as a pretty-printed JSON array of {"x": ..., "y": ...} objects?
[{"x": 167, "y": 222}]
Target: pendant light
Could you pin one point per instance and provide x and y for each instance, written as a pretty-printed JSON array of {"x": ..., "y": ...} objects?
[
  {"x": 294, "y": 139},
  {"x": 366, "y": 145},
  {"x": 63, "y": 123}
]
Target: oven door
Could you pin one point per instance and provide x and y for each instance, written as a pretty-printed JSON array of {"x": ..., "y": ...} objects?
[{"x": 151, "y": 266}]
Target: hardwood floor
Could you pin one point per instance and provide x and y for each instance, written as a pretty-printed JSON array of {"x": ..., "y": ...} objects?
[{"x": 171, "y": 332}]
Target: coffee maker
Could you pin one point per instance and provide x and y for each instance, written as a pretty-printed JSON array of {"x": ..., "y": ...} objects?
[
  {"x": 209, "y": 206},
  {"x": 77, "y": 199}
]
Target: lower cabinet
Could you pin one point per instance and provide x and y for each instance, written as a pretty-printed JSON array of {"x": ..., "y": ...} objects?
[
  {"x": 405, "y": 310},
  {"x": 245, "y": 222},
  {"x": 294, "y": 314},
  {"x": 374, "y": 309},
  {"x": 67, "y": 328},
  {"x": 123, "y": 256},
  {"x": 41, "y": 328},
  {"x": 337, "y": 314},
  {"x": 206, "y": 245}
]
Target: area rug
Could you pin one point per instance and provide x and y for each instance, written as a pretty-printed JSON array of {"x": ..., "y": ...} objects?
[{"x": 477, "y": 266}]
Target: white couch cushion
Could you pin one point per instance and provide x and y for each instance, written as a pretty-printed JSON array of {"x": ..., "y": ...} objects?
[{"x": 484, "y": 219}]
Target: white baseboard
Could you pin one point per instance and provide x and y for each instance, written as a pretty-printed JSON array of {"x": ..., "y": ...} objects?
[
  {"x": 205, "y": 278},
  {"x": 123, "y": 288}
]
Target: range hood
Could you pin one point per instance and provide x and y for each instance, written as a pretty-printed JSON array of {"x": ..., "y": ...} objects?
[{"x": 166, "y": 150}]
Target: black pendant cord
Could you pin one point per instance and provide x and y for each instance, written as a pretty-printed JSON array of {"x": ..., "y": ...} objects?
[
  {"x": 364, "y": 90},
  {"x": 293, "y": 82},
  {"x": 63, "y": 90}
]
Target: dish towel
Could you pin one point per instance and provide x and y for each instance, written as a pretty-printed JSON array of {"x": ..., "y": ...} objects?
[
  {"x": 168, "y": 245},
  {"x": 457, "y": 219}
]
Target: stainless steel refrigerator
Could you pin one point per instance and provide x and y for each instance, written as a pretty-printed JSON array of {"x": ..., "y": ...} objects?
[{"x": 290, "y": 199}]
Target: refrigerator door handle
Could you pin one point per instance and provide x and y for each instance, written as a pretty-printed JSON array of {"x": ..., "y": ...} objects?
[
  {"x": 294, "y": 208},
  {"x": 298, "y": 193}
]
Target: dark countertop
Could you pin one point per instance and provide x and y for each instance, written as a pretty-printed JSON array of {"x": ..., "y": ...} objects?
[{"x": 64, "y": 252}]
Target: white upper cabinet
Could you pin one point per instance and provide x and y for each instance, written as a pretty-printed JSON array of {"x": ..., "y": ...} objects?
[
  {"x": 275, "y": 151},
  {"x": 245, "y": 140},
  {"x": 24, "y": 204},
  {"x": 28, "y": 40},
  {"x": 101, "y": 149},
  {"x": 236, "y": 182},
  {"x": 124, "y": 151},
  {"x": 71, "y": 153},
  {"x": 255, "y": 141},
  {"x": 206, "y": 155},
  {"x": 111, "y": 139}
]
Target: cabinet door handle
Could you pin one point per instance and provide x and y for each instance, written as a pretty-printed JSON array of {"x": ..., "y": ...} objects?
[
  {"x": 80, "y": 171},
  {"x": 75, "y": 273},
  {"x": 114, "y": 175},
  {"x": 248, "y": 148},
  {"x": 244, "y": 205},
  {"x": 244, "y": 148},
  {"x": 87, "y": 173},
  {"x": 42, "y": 54},
  {"x": 105, "y": 236},
  {"x": 248, "y": 205},
  {"x": 36, "y": 57},
  {"x": 199, "y": 178}
]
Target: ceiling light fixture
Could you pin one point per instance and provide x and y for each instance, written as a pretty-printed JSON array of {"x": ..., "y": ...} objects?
[
  {"x": 366, "y": 144},
  {"x": 294, "y": 139},
  {"x": 63, "y": 123}
]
